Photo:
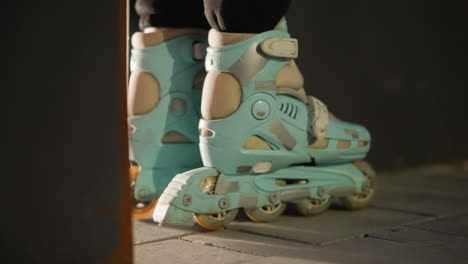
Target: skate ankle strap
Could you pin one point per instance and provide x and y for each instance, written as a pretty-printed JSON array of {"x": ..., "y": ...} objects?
[
  {"x": 280, "y": 47},
  {"x": 199, "y": 50}
]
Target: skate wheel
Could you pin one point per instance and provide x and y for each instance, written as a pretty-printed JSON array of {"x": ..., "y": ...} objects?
[
  {"x": 309, "y": 207},
  {"x": 133, "y": 171},
  {"x": 267, "y": 213},
  {"x": 215, "y": 221},
  {"x": 143, "y": 209},
  {"x": 140, "y": 209},
  {"x": 361, "y": 200}
]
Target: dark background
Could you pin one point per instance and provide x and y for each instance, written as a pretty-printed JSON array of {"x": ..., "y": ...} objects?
[{"x": 399, "y": 67}]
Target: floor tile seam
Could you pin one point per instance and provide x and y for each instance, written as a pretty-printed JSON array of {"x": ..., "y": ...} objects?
[
  {"x": 175, "y": 237},
  {"x": 326, "y": 243},
  {"x": 282, "y": 238},
  {"x": 343, "y": 239},
  {"x": 412, "y": 244},
  {"x": 373, "y": 236},
  {"x": 370, "y": 233},
  {"x": 208, "y": 244},
  {"x": 262, "y": 244},
  {"x": 435, "y": 218},
  {"x": 448, "y": 234},
  {"x": 358, "y": 236},
  {"x": 411, "y": 224},
  {"x": 402, "y": 211}
]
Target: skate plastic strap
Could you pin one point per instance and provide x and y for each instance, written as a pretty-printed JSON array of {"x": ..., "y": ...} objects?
[
  {"x": 318, "y": 120},
  {"x": 199, "y": 50},
  {"x": 280, "y": 47},
  {"x": 282, "y": 134}
]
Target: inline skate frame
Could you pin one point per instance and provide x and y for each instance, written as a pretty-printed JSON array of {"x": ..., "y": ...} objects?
[
  {"x": 264, "y": 143},
  {"x": 164, "y": 101}
]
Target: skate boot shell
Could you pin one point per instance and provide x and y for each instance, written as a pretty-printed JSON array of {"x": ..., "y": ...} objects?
[
  {"x": 264, "y": 143},
  {"x": 164, "y": 102}
]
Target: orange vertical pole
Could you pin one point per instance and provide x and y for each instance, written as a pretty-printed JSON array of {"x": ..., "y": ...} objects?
[{"x": 125, "y": 252}]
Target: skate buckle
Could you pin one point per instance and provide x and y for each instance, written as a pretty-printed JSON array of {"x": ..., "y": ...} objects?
[
  {"x": 261, "y": 109},
  {"x": 280, "y": 47}
]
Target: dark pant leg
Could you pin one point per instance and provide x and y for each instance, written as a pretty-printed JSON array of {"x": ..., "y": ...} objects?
[
  {"x": 245, "y": 16},
  {"x": 171, "y": 13},
  {"x": 241, "y": 16}
]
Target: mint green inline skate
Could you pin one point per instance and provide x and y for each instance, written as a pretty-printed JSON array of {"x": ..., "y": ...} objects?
[
  {"x": 163, "y": 105},
  {"x": 264, "y": 143}
]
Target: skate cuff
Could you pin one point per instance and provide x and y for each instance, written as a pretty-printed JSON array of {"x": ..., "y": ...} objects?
[{"x": 280, "y": 47}]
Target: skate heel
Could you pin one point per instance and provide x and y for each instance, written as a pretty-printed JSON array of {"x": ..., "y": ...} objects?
[
  {"x": 164, "y": 102},
  {"x": 173, "y": 203}
]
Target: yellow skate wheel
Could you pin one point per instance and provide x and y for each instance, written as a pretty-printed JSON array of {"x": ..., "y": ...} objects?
[
  {"x": 133, "y": 172},
  {"x": 143, "y": 209},
  {"x": 266, "y": 213},
  {"x": 215, "y": 221},
  {"x": 139, "y": 209},
  {"x": 361, "y": 200},
  {"x": 309, "y": 207}
]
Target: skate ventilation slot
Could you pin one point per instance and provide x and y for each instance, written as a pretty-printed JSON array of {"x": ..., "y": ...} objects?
[
  {"x": 342, "y": 144},
  {"x": 174, "y": 137},
  {"x": 284, "y": 182},
  {"x": 256, "y": 142},
  {"x": 206, "y": 132},
  {"x": 289, "y": 109}
]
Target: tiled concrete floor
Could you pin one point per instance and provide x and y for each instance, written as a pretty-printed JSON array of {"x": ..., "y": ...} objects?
[{"x": 419, "y": 216}]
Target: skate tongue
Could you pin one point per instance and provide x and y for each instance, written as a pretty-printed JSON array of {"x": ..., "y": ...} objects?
[
  {"x": 282, "y": 25},
  {"x": 151, "y": 38},
  {"x": 218, "y": 39}
]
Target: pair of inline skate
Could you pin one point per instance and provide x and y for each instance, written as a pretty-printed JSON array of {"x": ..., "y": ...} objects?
[{"x": 250, "y": 138}]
